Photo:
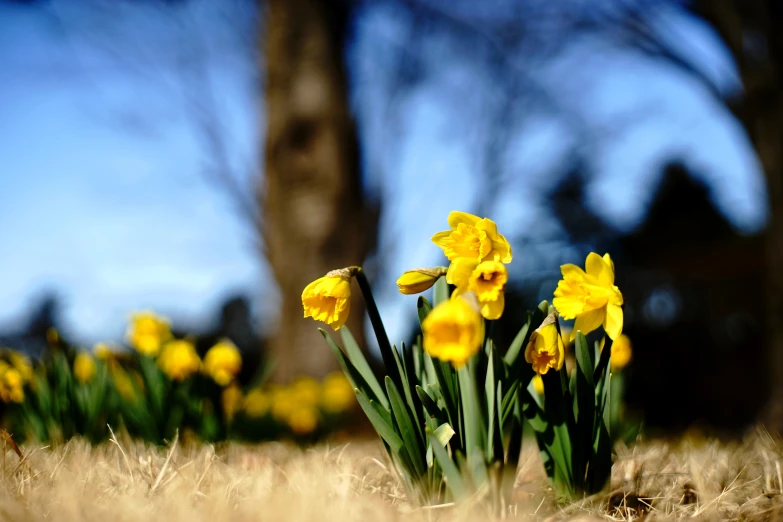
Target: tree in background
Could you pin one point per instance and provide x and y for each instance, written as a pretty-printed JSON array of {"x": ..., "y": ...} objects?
[{"x": 315, "y": 219}]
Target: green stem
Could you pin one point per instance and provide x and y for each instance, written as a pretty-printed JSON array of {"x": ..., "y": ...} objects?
[{"x": 377, "y": 326}]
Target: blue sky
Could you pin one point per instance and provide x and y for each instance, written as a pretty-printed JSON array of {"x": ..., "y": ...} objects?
[{"x": 107, "y": 191}]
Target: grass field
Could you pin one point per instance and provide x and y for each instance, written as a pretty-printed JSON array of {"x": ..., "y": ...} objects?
[{"x": 127, "y": 481}]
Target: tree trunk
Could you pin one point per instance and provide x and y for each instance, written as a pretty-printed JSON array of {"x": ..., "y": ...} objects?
[
  {"x": 313, "y": 206},
  {"x": 753, "y": 29}
]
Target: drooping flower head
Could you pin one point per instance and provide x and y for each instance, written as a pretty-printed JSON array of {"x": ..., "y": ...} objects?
[
  {"x": 84, "y": 367},
  {"x": 179, "y": 360},
  {"x": 418, "y": 280},
  {"x": 453, "y": 331},
  {"x": 473, "y": 237},
  {"x": 222, "y": 362},
  {"x": 148, "y": 332},
  {"x": 545, "y": 349},
  {"x": 486, "y": 279},
  {"x": 328, "y": 298},
  {"x": 590, "y": 296}
]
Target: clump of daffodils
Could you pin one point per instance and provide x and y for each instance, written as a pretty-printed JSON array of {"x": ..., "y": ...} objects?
[{"x": 451, "y": 407}]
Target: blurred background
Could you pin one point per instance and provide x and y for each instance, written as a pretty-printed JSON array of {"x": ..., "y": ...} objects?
[{"x": 208, "y": 158}]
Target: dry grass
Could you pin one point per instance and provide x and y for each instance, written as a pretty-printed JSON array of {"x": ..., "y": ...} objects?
[{"x": 123, "y": 480}]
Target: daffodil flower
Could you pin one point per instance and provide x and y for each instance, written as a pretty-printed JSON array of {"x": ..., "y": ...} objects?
[
  {"x": 486, "y": 279},
  {"x": 328, "y": 298},
  {"x": 418, "y": 280},
  {"x": 590, "y": 296},
  {"x": 545, "y": 349},
  {"x": 453, "y": 331},
  {"x": 473, "y": 237}
]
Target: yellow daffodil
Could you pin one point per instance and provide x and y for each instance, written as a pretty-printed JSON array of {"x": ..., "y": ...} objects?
[
  {"x": 338, "y": 394},
  {"x": 179, "y": 360},
  {"x": 621, "y": 352},
  {"x": 486, "y": 279},
  {"x": 303, "y": 420},
  {"x": 473, "y": 237},
  {"x": 84, "y": 367},
  {"x": 283, "y": 403},
  {"x": 123, "y": 382},
  {"x": 453, "y": 331},
  {"x": 11, "y": 385},
  {"x": 257, "y": 403},
  {"x": 223, "y": 362},
  {"x": 328, "y": 298},
  {"x": 148, "y": 332},
  {"x": 305, "y": 391},
  {"x": 104, "y": 351},
  {"x": 22, "y": 365},
  {"x": 419, "y": 279},
  {"x": 545, "y": 349},
  {"x": 232, "y": 401},
  {"x": 52, "y": 336},
  {"x": 590, "y": 296}
]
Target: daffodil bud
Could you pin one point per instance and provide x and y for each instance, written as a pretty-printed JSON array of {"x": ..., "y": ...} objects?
[{"x": 419, "y": 279}]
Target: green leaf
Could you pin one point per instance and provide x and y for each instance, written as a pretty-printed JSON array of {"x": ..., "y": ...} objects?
[
  {"x": 423, "y": 307},
  {"x": 473, "y": 423},
  {"x": 382, "y": 425},
  {"x": 441, "y": 291},
  {"x": 359, "y": 361},
  {"x": 357, "y": 381},
  {"x": 443, "y": 433},
  {"x": 429, "y": 404},
  {"x": 454, "y": 481},
  {"x": 407, "y": 429}
]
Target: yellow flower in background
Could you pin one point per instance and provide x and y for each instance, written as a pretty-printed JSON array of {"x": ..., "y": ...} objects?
[
  {"x": 338, "y": 394},
  {"x": 590, "y": 296},
  {"x": 538, "y": 384},
  {"x": 305, "y": 391},
  {"x": 123, "y": 382},
  {"x": 453, "y": 331},
  {"x": 179, "y": 360},
  {"x": 104, "y": 351},
  {"x": 22, "y": 364},
  {"x": 303, "y": 420},
  {"x": 52, "y": 336},
  {"x": 621, "y": 352},
  {"x": 11, "y": 384},
  {"x": 231, "y": 399},
  {"x": 148, "y": 332},
  {"x": 257, "y": 403},
  {"x": 84, "y": 367},
  {"x": 486, "y": 279},
  {"x": 545, "y": 349},
  {"x": 474, "y": 238},
  {"x": 328, "y": 298},
  {"x": 418, "y": 280},
  {"x": 222, "y": 362},
  {"x": 283, "y": 403}
]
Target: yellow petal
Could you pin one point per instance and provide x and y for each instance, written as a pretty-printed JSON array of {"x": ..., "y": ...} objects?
[
  {"x": 503, "y": 249},
  {"x": 588, "y": 321},
  {"x": 613, "y": 323},
  {"x": 456, "y": 217},
  {"x": 598, "y": 268},
  {"x": 493, "y": 309},
  {"x": 572, "y": 273},
  {"x": 442, "y": 239},
  {"x": 460, "y": 270}
]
